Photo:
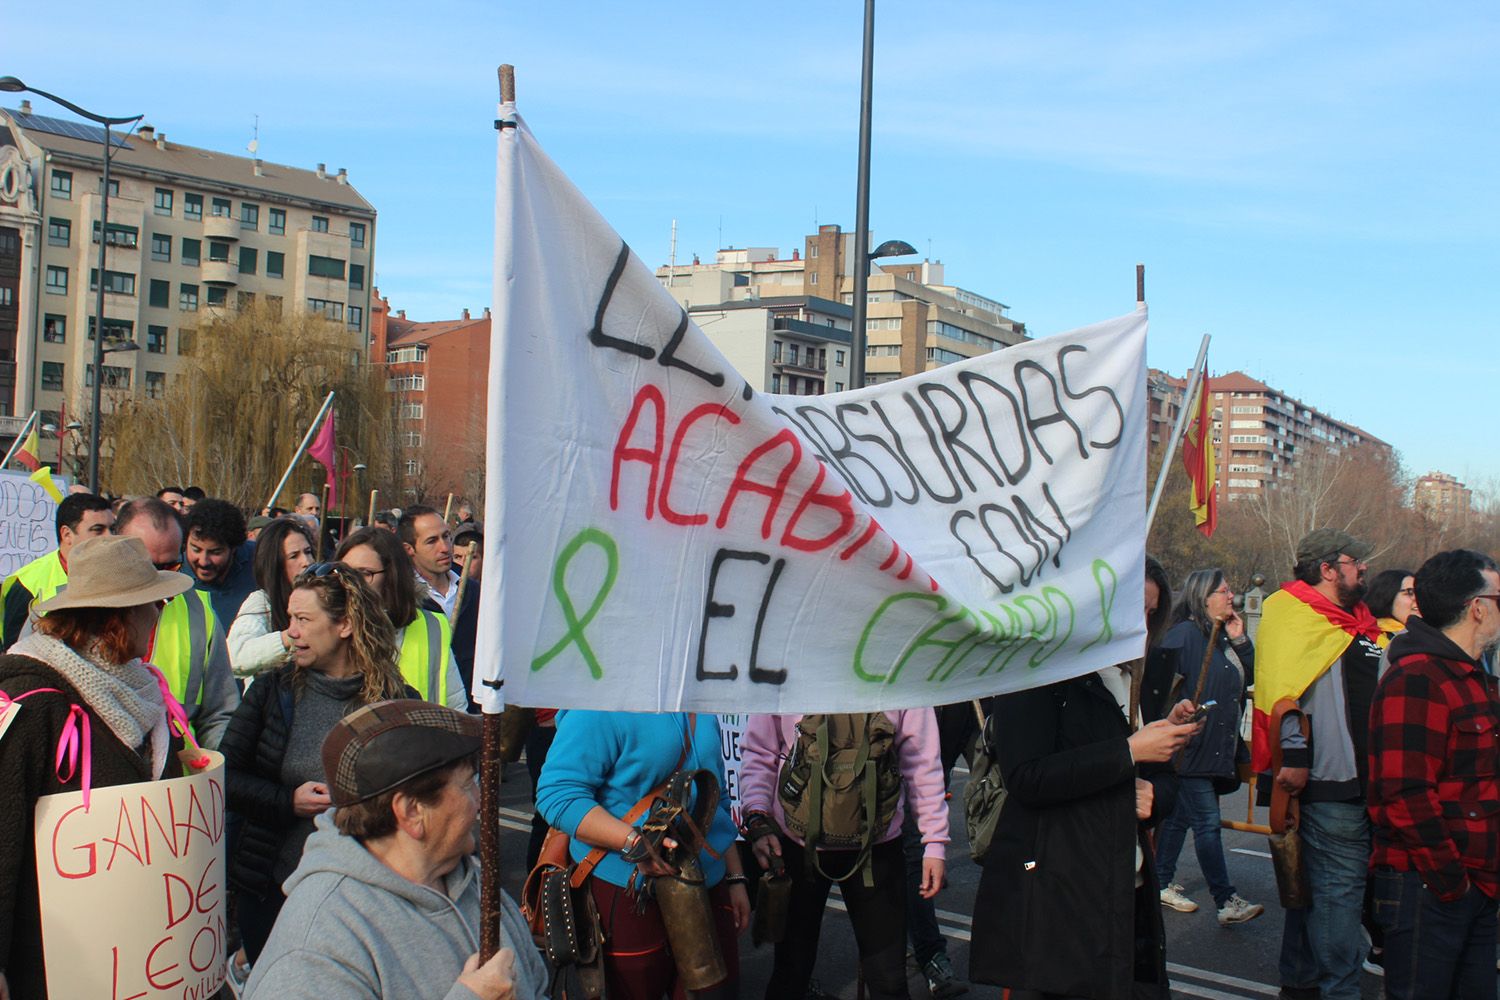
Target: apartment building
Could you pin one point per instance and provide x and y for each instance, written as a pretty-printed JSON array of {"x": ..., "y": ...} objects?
[
  {"x": 1259, "y": 433},
  {"x": 439, "y": 374},
  {"x": 192, "y": 233},
  {"x": 1444, "y": 499},
  {"x": 914, "y": 320}
]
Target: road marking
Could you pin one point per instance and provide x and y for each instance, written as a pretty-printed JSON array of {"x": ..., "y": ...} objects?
[
  {"x": 1253, "y": 854},
  {"x": 1222, "y": 979},
  {"x": 1203, "y": 991}
]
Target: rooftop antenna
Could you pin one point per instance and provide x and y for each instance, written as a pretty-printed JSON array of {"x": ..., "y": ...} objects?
[
  {"x": 672, "y": 257},
  {"x": 721, "y": 232},
  {"x": 254, "y": 146}
]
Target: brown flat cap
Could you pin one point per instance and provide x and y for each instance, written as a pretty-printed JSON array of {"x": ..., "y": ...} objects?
[{"x": 375, "y": 748}]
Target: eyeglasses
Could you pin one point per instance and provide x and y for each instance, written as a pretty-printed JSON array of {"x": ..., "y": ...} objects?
[
  {"x": 1224, "y": 591},
  {"x": 370, "y": 574},
  {"x": 1487, "y": 597},
  {"x": 1349, "y": 561}
]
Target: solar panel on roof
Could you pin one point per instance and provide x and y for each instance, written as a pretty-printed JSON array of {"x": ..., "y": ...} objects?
[{"x": 68, "y": 129}]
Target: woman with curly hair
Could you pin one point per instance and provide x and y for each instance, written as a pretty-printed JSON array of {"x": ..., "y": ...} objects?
[{"x": 342, "y": 656}]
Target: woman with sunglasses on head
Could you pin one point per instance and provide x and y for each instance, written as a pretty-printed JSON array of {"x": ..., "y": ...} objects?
[
  {"x": 424, "y": 635},
  {"x": 79, "y": 680},
  {"x": 342, "y": 656},
  {"x": 1209, "y": 766},
  {"x": 258, "y": 638}
]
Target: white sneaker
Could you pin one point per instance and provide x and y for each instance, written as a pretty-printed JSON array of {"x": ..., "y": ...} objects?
[
  {"x": 1175, "y": 897},
  {"x": 1236, "y": 911}
]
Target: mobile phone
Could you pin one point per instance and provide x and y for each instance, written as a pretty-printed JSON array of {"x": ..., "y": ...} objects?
[{"x": 1200, "y": 713}]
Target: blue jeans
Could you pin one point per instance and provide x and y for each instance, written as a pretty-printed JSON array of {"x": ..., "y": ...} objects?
[
  {"x": 1434, "y": 950},
  {"x": 1321, "y": 946},
  {"x": 1197, "y": 809}
]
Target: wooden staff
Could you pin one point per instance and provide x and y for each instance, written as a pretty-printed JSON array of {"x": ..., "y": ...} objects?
[
  {"x": 489, "y": 764},
  {"x": 373, "y": 495},
  {"x": 448, "y": 509},
  {"x": 1208, "y": 656},
  {"x": 322, "y": 521},
  {"x": 463, "y": 582}
]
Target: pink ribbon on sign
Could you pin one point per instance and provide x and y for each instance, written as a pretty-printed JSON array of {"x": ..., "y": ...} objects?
[
  {"x": 177, "y": 715},
  {"x": 75, "y": 746}
]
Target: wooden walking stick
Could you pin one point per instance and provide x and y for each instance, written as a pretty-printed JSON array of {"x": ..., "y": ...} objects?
[
  {"x": 489, "y": 764},
  {"x": 1208, "y": 657},
  {"x": 463, "y": 582},
  {"x": 322, "y": 521},
  {"x": 373, "y": 495},
  {"x": 448, "y": 509}
]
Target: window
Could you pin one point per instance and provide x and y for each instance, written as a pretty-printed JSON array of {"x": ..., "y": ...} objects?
[
  {"x": 407, "y": 383},
  {"x": 413, "y": 467},
  {"x": 277, "y": 225},
  {"x": 406, "y": 355},
  {"x": 776, "y": 351},
  {"x": 186, "y": 340},
  {"x": 275, "y": 263},
  {"x": 249, "y": 215},
  {"x": 838, "y": 387},
  {"x": 218, "y": 251},
  {"x": 325, "y": 267},
  {"x": 156, "y": 339},
  {"x": 812, "y": 279},
  {"x": 356, "y": 276},
  {"x": 161, "y": 294},
  {"x": 7, "y": 296},
  {"x": 163, "y": 201},
  {"x": 218, "y": 297},
  {"x": 156, "y": 385},
  {"x": 59, "y": 232},
  {"x": 412, "y": 411},
  {"x": 115, "y": 282},
  {"x": 52, "y": 376},
  {"x": 221, "y": 208},
  {"x": 775, "y": 383},
  {"x": 330, "y": 310},
  {"x": 247, "y": 260},
  {"x": 187, "y": 298},
  {"x": 192, "y": 206},
  {"x": 115, "y": 377},
  {"x": 120, "y": 235},
  {"x": 62, "y": 185},
  {"x": 412, "y": 439},
  {"x": 57, "y": 280},
  {"x": 838, "y": 357},
  {"x": 55, "y": 329},
  {"x": 161, "y": 247},
  {"x": 190, "y": 251},
  {"x": 114, "y": 187},
  {"x": 273, "y": 305},
  {"x": 320, "y": 224},
  {"x": 356, "y": 316},
  {"x": 356, "y": 234},
  {"x": 114, "y": 329},
  {"x": 791, "y": 352},
  {"x": 244, "y": 300},
  {"x": 813, "y": 252}
]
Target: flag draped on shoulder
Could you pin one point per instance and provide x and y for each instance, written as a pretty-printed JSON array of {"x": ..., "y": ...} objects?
[
  {"x": 1301, "y": 634},
  {"x": 1198, "y": 459},
  {"x": 666, "y": 536}
]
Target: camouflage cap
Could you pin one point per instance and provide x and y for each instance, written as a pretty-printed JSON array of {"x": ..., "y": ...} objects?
[{"x": 375, "y": 748}]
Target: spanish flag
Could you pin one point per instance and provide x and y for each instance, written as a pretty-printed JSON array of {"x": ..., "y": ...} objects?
[
  {"x": 1198, "y": 459},
  {"x": 1301, "y": 634},
  {"x": 29, "y": 450}
]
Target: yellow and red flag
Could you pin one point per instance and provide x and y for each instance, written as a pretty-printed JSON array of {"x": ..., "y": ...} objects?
[
  {"x": 29, "y": 451},
  {"x": 1301, "y": 634},
  {"x": 1198, "y": 459}
]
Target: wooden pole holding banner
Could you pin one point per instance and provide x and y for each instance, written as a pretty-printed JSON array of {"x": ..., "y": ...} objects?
[
  {"x": 322, "y": 522},
  {"x": 1194, "y": 381},
  {"x": 489, "y": 764},
  {"x": 448, "y": 508},
  {"x": 463, "y": 582},
  {"x": 373, "y": 495},
  {"x": 312, "y": 429},
  {"x": 15, "y": 445}
]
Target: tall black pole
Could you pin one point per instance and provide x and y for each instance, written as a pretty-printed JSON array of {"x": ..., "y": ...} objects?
[
  {"x": 862, "y": 208},
  {"x": 99, "y": 326}
]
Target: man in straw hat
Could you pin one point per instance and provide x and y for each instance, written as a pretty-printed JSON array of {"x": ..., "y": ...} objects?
[
  {"x": 386, "y": 899},
  {"x": 79, "y": 709}
]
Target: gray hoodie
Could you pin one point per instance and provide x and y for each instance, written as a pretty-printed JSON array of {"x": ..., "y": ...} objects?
[{"x": 353, "y": 929}]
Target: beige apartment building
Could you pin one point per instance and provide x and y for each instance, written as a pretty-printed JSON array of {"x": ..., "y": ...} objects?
[
  {"x": 914, "y": 321},
  {"x": 192, "y": 233},
  {"x": 1444, "y": 499},
  {"x": 1259, "y": 433}
]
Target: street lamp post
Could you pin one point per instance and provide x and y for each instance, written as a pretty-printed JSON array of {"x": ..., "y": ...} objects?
[{"x": 10, "y": 84}]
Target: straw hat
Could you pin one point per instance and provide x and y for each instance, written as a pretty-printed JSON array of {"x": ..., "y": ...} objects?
[{"x": 111, "y": 571}]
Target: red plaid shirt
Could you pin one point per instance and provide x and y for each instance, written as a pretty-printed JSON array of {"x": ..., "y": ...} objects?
[{"x": 1434, "y": 750}]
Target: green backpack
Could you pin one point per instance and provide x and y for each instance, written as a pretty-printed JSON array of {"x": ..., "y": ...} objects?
[
  {"x": 984, "y": 795},
  {"x": 840, "y": 785}
]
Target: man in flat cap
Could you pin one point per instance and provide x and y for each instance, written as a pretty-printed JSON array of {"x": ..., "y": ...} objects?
[{"x": 386, "y": 900}]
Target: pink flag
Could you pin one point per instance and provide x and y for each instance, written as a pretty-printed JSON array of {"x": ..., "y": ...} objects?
[{"x": 323, "y": 451}]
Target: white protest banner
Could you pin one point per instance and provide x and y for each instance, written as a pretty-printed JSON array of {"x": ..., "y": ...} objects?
[
  {"x": 132, "y": 888},
  {"x": 731, "y": 730},
  {"x": 28, "y": 520},
  {"x": 670, "y": 539}
]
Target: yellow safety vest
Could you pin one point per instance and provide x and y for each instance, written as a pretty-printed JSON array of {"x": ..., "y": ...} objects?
[
  {"x": 424, "y": 655},
  {"x": 184, "y": 636},
  {"x": 43, "y": 577}
]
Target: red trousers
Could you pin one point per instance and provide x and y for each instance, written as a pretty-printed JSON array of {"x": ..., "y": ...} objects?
[{"x": 637, "y": 963}]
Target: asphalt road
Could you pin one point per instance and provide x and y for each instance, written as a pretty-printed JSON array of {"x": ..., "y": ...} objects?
[{"x": 1204, "y": 960}]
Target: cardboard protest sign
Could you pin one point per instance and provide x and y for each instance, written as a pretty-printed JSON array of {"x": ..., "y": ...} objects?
[
  {"x": 671, "y": 539},
  {"x": 132, "y": 888},
  {"x": 28, "y": 520}
]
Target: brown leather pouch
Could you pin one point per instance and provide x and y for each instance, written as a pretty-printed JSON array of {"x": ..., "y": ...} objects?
[{"x": 1286, "y": 842}]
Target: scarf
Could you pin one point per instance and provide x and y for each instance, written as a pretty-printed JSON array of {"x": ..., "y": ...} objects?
[{"x": 125, "y": 695}]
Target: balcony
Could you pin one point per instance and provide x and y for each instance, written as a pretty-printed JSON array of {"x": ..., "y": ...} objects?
[
  {"x": 800, "y": 367},
  {"x": 220, "y": 272},
  {"x": 221, "y": 227},
  {"x": 803, "y": 328}
]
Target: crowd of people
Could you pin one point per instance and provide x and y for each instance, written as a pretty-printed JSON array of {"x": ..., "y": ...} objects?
[{"x": 336, "y": 690}]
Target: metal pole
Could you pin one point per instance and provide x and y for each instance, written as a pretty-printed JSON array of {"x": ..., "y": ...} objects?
[
  {"x": 862, "y": 207},
  {"x": 301, "y": 448},
  {"x": 99, "y": 326},
  {"x": 1187, "y": 401},
  {"x": 15, "y": 445}
]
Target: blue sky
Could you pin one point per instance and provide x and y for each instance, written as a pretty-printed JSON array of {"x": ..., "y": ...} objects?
[{"x": 1313, "y": 184}]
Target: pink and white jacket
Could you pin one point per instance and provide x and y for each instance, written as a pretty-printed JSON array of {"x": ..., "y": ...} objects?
[{"x": 768, "y": 739}]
